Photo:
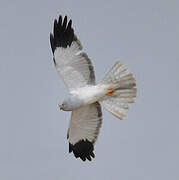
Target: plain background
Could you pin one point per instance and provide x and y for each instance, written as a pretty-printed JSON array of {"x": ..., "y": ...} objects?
[{"x": 144, "y": 35}]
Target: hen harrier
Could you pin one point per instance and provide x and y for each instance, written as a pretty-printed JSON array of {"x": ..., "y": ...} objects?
[{"x": 115, "y": 92}]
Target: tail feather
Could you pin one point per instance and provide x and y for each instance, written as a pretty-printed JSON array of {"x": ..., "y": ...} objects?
[
  {"x": 113, "y": 107},
  {"x": 124, "y": 84}
]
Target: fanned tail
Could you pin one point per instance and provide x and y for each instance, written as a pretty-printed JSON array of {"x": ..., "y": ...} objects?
[{"x": 123, "y": 85}]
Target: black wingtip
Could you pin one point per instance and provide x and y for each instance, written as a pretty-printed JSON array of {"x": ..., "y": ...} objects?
[
  {"x": 82, "y": 149},
  {"x": 63, "y": 33},
  {"x": 60, "y": 20},
  {"x": 52, "y": 42}
]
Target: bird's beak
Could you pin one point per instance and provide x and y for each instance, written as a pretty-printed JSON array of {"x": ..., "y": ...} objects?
[{"x": 60, "y": 106}]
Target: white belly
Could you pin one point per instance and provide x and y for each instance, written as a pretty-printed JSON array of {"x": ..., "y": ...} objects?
[{"x": 89, "y": 94}]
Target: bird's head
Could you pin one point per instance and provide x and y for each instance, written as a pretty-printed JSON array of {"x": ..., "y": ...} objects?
[{"x": 69, "y": 104}]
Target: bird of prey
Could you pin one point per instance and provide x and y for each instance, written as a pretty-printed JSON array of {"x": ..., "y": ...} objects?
[{"x": 115, "y": 92}]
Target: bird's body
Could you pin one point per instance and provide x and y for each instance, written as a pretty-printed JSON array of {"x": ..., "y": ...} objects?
[
  {"x": 84, "y": 96},
  {"x": 115, "y": 92},
  {"x": 90, "y": 94}
]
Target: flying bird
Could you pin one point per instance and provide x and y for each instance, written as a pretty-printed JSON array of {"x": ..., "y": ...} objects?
[{"x": 115, "y": 92}]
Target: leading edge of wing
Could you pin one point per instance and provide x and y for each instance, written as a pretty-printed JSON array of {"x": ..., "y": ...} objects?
[{"x": 63, "y": 33}]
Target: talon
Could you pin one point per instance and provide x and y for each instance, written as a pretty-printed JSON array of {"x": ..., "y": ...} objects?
[{"x": 110, "y": 92}]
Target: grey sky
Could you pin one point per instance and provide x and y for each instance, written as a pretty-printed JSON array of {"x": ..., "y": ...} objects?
[{"x": 141, "y": 34}]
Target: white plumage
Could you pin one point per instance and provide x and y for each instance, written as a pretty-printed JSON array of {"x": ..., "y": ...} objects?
[
  {"x": 85, "y": 122},
  {"x": 73, "y": 66},
  {"x": 115, "y": 92}
]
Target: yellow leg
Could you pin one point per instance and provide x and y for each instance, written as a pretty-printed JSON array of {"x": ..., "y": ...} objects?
[{"x": 110, "y": 92}]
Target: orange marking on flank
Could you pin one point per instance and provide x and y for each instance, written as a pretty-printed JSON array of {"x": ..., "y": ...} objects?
[{"x": 110, "y": 92}]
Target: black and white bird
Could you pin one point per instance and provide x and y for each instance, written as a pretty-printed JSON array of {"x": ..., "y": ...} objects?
[{"x": 115, "y": 92}]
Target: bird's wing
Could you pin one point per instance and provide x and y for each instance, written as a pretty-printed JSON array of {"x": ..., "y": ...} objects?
[
  {"x": 84, "y": 129},
  {"x": 71, "y": 63}
]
